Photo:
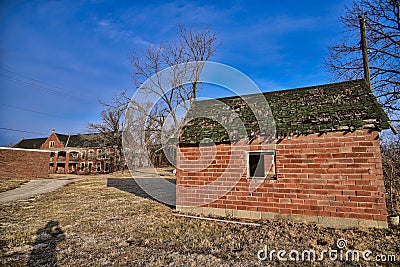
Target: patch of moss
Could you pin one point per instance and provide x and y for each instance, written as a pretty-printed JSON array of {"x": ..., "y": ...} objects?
[{"x": 314, "y": 109}]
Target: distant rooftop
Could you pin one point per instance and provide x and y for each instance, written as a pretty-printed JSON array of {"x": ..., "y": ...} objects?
[
  {"x": 34, "y": 143},
  {"x": 76, "y": 140}
]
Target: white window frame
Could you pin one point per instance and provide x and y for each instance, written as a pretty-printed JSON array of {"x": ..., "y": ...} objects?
[
  {"x": 51, "y": 144},
  {"x": 99, "y": 153},
  {"x": 92, "y": 156},
  {"x": 263, "y": 152},
  {"x": 82, "y": 167},
  {"x": 98, "y": 167},
  {"x": 72, "y": 152},
  {"x": 105, "y": 164}
]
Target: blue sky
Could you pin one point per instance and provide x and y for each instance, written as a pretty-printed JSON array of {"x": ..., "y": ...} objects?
[{"x": 58, "y": 57}]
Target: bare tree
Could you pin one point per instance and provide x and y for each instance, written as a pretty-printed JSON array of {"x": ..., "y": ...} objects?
[
  {"x": 191, "y": 46},
  {"x": 10, "y": 144},
  {"x": 110, "y": 128},
  {"x": 344, "y": 59},
  {"x": 149, "y": 79},
  {"x": 391, "y": 170}
]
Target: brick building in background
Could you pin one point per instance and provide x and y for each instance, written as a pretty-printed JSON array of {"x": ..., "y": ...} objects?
[
  {"x": 75, "y": 154},
  {"x": 23, "y": 163},
  {"x": 326, "y": 163}
]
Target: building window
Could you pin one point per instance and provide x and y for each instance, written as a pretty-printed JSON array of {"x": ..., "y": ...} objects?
[
  {"x": 261, "y": 164},
  {"x": 73, "y": 155},
  {"x": 98, "y": 166},
  {"x": 82, "y": 166},
  {"x": 62, "y": 156},
  {"x": 83, "y": 155},
  {"x": 90, "y": 165},
  {"x": 51, "y": 144},
  {"x": 90, "y": 154},
  {"x": 100, "y": 153},
  {"x": 107, "y": 167}
]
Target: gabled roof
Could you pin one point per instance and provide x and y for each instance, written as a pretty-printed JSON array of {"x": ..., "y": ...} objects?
[
  {"x": 34, "y": 143},
  {"x": 87, "y": 140},
  {"x": 77, "y": 140},
  {"x": 82, "y": 140},
  {"x": 344, "y": 106},
  {"x": 63, "y": 138}
]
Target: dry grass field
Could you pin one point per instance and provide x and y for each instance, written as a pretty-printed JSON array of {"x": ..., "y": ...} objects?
[
  {"x": 88, "y": 223},
  {"x": 8, "y": 184}
]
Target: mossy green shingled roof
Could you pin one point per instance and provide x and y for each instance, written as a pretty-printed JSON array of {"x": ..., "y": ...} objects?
[{"x": 343, "y": 106}]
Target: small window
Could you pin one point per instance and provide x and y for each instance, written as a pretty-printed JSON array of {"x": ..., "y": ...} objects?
[
  {"x": 100, "y": 153},
  {"x": 83, "y": 155},
  {"x": 107, "y": 167},
  {"x": 90, "y": 154},
  {"x": 107, "y": 153},
  {"x": 51, "y": 144},
  {"x": 73, "y": 155},
  {"x": 82, "y": 166},
  {"x": 98, "y": 166},
  {"x": 90, "y": 165},
  {"x": 261, "y": 164}
]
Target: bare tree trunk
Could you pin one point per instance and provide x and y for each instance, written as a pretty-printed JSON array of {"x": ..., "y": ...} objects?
[{"x": 382, "y": 30}]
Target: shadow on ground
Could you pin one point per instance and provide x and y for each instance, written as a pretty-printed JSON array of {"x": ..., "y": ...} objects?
[
  {"x": 44, "y": 251},
  {"x": 131, "y": 186}
]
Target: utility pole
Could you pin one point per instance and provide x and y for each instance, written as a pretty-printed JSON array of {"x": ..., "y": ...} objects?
[{"x": 364, "y": 48}]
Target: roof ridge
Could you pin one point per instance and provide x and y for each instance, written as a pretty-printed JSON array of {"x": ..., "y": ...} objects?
[{"x": 360, "y": 81}]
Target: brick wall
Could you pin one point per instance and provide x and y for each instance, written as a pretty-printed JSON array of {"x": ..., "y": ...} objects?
[
  {"x": 334, "y": 179},
  {"x": 52, "y": 138},
  {"x": 23, "y": 163}
]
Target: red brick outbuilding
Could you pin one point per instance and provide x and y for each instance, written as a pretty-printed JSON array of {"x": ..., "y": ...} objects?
[{"x": 324, "y": 165}]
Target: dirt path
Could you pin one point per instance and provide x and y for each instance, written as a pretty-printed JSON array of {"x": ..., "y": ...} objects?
[{"x": 33, "y": 188}]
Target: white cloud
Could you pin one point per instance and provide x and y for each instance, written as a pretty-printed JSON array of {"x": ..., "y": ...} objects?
[
  {"x": 103, "y": 23},
  {"x": 138, "y": 40}
]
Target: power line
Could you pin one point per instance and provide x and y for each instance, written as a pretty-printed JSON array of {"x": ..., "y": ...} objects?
[
  {"x": 21, "y": 131},
  {"x": 29, "y": 110},
  {"x": 20, "y": 81},
  {"x": 30, "y": 78},
  {"x": 38, "y": 84}
]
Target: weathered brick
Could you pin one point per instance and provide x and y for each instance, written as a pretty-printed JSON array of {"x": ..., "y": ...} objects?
[
  {"x": 24, "y": 163},
  {"x": 317, "y": 175}
]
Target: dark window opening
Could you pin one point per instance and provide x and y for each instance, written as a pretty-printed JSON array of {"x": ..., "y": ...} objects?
[
  {"x": 261, "y": 164},
  {"x": 98, "y": 167},
  {"x": 107, "y": 167},
  {"x": 100, "y": 154},
  {"x": 62, "y": 155},
  {"x": 256, "y": 165},
  {"x": 82, "y": 166}
]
